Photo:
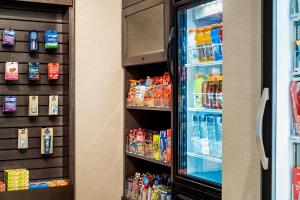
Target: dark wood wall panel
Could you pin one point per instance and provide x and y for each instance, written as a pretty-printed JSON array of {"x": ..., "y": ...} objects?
[{"x": 22, "y": 17}]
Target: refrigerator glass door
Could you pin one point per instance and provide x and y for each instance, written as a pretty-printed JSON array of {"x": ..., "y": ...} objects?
[{"x": 199, "y": 42}]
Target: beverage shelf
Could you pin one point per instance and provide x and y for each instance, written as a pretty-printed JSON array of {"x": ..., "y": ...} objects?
[
  {"x": 206, "y": 110},
  {"x": 166, "y": 109},
  {"x": 148, "y": 159},
  {"x": 204, "y": 64},
  {"x": 206, "y": 157},
  {"x": 295, "y": 139}
]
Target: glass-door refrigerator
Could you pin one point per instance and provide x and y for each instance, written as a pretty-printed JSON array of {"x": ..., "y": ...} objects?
[
  {"x": 278, "y": 116},
  {"x": 198, "y": 94}
]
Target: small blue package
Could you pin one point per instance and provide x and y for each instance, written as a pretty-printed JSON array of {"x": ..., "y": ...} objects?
[
  {"x": 51, "y": 39},
  {"x": 33, "y": 41}
]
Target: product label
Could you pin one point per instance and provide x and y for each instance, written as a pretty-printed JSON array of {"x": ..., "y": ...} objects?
[
  {"x": 23, "y": 138},
  {"x": 33, "y": 71},
  {"x": 33, "y": 108},
  {"x": 53, "y": 105},
  {"x": 47, "y": 141},
  {"x": 11, "y": 71},
  {"x": 53, "y": 71}
]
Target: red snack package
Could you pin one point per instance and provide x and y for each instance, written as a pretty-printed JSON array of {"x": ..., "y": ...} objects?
[
  {"x": 296, "y": 183},
  {"x": 167, "y": 90},
  {"x": 295, "y": 93},
  {"x": 132, "y": 141},
  {"x": 131, "y": 92},
  {"x": 53, "y": 71},
  {"x": 158, "y": 91},
  {"x": 169, "y": 146}
]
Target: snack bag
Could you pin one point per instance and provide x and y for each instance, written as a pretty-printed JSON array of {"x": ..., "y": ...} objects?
[
  {"x": 149, "y": 93},
  {"x": 8, "y": 38},
  {"x": 140, "y": 141},
  {"x": 131, "y": 141},
  {"x": 34, "y": 71},
  {"x": 2, "y": 186},
  {"x": 11, "y": 71},
  {"x": 148, "y": 144},
  {"x": 156, "y": 146},
  {"x": 158, "y": 91},
  {"x": 167, "y": 90},
  {"x": 139, "y": 93},
  {"x": 51, "y": 39},
  {"x": 131, "y": 92},
  {"x": 53, "y": 71},
  {"x": 169, "y": 146},
  {"x": 163, "y": 145}
]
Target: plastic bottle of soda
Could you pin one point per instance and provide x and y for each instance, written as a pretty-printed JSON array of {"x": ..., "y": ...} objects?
[
  {"x": 216, "y": 42},
  {"x": 208, "y": 44},
  {"x": 199, "y": 38}
]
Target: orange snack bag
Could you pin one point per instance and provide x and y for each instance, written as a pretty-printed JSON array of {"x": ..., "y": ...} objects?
[
  {"x": 158, "y": 91},
  {"x": 167, "y": 90}
]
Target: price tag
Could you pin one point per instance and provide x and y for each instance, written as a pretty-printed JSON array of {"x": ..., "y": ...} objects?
[
  {"x": 53, "y": 105},
  {"x": 33, "y": 108},
  {"x": 22, "y": 138},
  {"x": 46, "y": 141}
]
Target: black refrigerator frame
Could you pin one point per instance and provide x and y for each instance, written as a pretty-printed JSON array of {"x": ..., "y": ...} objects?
[
  {"x": 267, "y": 64},
  {"x": 185, "y": 188}
]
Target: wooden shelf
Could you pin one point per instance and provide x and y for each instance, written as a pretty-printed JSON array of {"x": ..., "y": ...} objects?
[
  {"x": 57, "y": 193},
  {"x": 148, "y": 159},
  {"x": 164, "y": 109}
]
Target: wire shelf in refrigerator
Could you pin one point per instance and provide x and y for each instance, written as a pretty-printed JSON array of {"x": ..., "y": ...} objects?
[
  {"x": 204, "y": 64},
  {"x": 295, "y": 139},
  {"x": 205, "y": 157},
  {"x": 206, "y": 110}
]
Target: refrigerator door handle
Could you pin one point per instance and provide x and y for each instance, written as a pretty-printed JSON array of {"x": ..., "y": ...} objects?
[
  {"x": 259, "y": 129},
  {"x": 170, "y": 53}
]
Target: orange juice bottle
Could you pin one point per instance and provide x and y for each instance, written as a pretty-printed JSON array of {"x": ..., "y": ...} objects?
[
  {"x": 199, "y": 38},
  {"x": 208, "y": 44}
]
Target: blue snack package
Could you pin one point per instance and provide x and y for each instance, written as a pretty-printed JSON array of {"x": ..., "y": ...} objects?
[
  {"x": 163, "y": 145},
  {"x": 33, "y": 41},
  {"x": 9, "y": 104},
  {"x": 34, "y": 71},
  {"x": 8, "y": 38},
  {"x": 51, "y": 39}
]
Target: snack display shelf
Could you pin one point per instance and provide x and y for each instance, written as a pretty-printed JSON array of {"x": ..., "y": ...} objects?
[
  {"x": 206, "y": 110},
  {"x": 166, "y": 109},
  {"x": 204, "y": 64},
  {"x": 148, "y": 159},
  {"x": 206, "y": 157},
  {"x": 295, "y": 139},
  {"x": 44, "y": 193}
]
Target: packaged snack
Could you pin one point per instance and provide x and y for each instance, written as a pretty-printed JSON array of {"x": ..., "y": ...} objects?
[
  {"x": 156, "y": 146},
  {"x": 38, "y": 185},
  {"x": 33, "y": 41},
  {"x": 16, "y": 179},
  {"x": 169, "y": 146},
  {"x": 149, "y": 93},
  {"x": 8, "y": 38},
  {"x": 33, "y": 108},
  {"x": 53, "y": 71},
  {"x": 148, "y": 144},
  {"x": 22, "y": 138},
  {"x": 53, "y": 105},
  {"x": 9, "y": 104},
  {"x": 139, "y": 93},
  {"x": 163, "y": 145},
  {"x": 46, "y": 141},
  {"x": 131, "y": 92},
  {"x": 140, "y": 141},
  {"x": 131, "y": 141},
  {"x": 34, "y": 71},
  {"x": 51, "y": 39},
  {"x": 158, "y": 91},
  {"x": 167, "y": 90},
  {"x": 11, "y": 71}
]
